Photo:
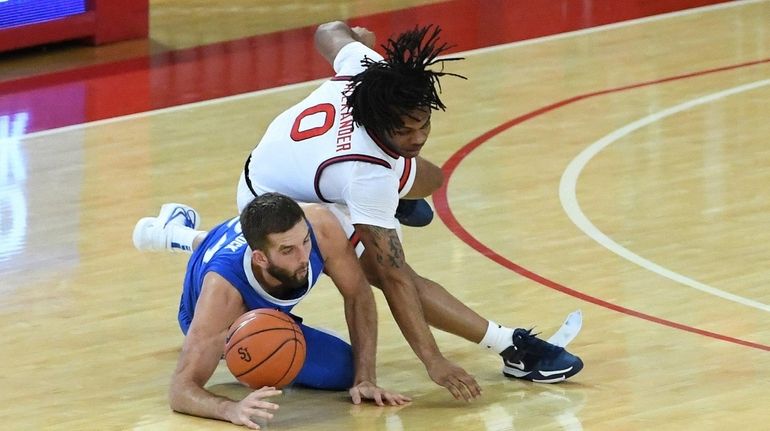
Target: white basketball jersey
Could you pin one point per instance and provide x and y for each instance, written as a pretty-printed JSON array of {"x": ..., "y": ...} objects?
[{"x": 314, "y": 153}]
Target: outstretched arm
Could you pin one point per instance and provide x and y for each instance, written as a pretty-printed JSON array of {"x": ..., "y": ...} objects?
[
  {"x": 343, "y": 268},
  {"x": 332, "y": 36},
  {"x": 218, "y": 306},
  {"x": 386, "y": 267}
]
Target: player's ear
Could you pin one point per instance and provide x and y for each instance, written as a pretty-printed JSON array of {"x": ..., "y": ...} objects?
[{"x": 259, "y": 258}]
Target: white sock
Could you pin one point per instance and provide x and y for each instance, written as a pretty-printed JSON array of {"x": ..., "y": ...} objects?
[
  {"x": 497, "y": 338},
  {"x": 180, "y": 238}
]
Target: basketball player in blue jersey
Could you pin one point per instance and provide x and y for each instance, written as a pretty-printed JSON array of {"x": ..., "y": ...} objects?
[
  {"x": 354, "y": 145},
  {"x": 269, "y": 257}
]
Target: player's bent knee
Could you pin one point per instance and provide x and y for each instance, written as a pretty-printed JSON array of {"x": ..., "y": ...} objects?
[{"x": 328, "y": 361}]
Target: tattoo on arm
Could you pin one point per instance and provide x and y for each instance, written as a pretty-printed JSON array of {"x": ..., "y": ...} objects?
[{"x": 388, "y": 247}]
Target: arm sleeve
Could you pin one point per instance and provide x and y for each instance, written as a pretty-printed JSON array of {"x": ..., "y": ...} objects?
[
  {"x": 348, "y": 60},
  {"x": 407, "y": 168},
  {"x": 372, "y": 196}
]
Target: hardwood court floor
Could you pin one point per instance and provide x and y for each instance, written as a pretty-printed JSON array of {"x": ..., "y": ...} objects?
[{"x": 621, "y": 171}]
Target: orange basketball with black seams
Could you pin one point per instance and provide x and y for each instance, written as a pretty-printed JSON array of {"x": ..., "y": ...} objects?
[{"x": 265, "y": 347}]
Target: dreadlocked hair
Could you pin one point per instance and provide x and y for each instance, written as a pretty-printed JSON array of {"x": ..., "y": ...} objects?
[{"x": 401, "y": 83}]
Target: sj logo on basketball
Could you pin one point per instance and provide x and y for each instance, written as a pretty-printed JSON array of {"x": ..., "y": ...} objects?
[{"x": 243, "y": 352}]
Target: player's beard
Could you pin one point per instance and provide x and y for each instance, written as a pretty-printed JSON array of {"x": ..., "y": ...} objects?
[{"x": 289, "y": 280}]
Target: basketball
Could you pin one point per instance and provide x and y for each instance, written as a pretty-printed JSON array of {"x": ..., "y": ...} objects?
[{"x": 265, "y": 347}]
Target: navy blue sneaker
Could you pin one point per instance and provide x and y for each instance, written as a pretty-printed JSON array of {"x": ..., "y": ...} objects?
[
  {"x": 414, "y": 212},
  {"x": 536, "y": 360}
]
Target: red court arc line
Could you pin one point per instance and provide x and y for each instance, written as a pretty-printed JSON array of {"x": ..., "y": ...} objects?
[{"x": 441, "y": 203}]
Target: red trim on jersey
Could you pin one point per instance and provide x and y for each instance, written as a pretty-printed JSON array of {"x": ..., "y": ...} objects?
[
  {"x": 382, "y": 146},
  {"x": 326, "y": 108},
  {"x": 355, "y": 239},
  {"x": 405, "y": 174},
  {"x": 340, "y": 159},
  {"x": 342, "y": 78}
]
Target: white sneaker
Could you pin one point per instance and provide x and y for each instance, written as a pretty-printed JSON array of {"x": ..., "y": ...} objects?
[
  {"x": 179, "y": 214},
  {"x": 154, "y": 233}
]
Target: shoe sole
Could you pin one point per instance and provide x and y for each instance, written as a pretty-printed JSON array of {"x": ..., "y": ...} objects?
[
  {"x": 525, "y": 375},
  {"x": 537, "y": 377},
  {"x": 138, "y": 229}
]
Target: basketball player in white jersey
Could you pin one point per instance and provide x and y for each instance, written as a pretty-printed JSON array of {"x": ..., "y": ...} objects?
[{"x": 354, "y": 143}]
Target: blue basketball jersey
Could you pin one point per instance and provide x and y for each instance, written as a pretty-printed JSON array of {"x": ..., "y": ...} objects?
[{"x": 225, "y": 252}]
